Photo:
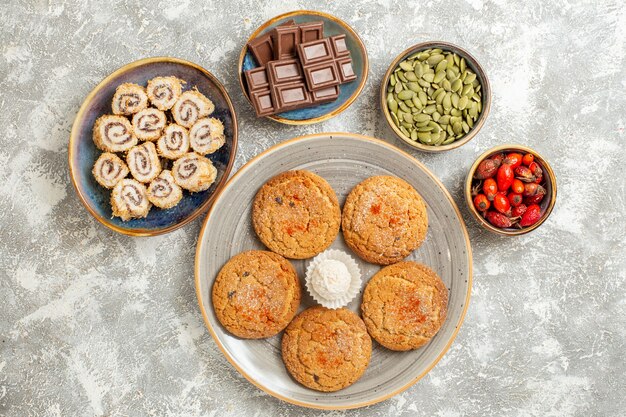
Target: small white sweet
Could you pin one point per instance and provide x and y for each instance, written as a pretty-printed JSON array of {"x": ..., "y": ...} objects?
[{"x": 331, "y": 279}]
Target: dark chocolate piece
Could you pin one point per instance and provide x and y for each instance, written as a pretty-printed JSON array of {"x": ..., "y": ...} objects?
[
  {"x": 321, "y": 75},
  {"x": 315, "y": 51},
  {"x": 263, "y": 102},
  {"x": 284, "y": 71},
  {"x": 346, "y": 72},
  {"x": 284, "y": 40},
  {"x": 311, "y": 31},
  {"x": 291, "y": 96},
  {"x": 340, "y": 49},
  {"x": 262, "y": 49},
  {"x": 257, "y": 79},
  {"x": 325, "y": 95}
]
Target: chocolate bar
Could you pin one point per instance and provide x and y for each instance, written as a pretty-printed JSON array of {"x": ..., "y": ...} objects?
[
  {"x": 257, "y": 79},
  {"x": 262, "y": 102},
  {"x": 338, "y": 43},
  {"x": 315, "y": 51},
  {"x": 291, "y": 96},
  {"x": 346, "y": 72},
  {"x": 262, "y": 47},
  {"x": 325, "y": 95},
  {"x": 321, "y": 75},
  {"x": 284, "y": 40},
  {"x": 285, "y": 71},
  {"x": 311, "y": 31}
]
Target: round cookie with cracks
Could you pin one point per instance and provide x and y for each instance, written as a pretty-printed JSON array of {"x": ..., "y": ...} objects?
[
  {"x": 326, "y": 350},
  {"x": 404, "y": 305},
  {"x": 296, "y": 214},
  {"x": 384, "y": 219},
  {"x": 256, "y": 294}
]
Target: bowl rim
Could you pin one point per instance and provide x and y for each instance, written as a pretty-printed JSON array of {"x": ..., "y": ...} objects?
[
  {"x": 480, "y": 72},
  {"x": 74, "y": 136},
  {"x": 510, "y": 147},
  {"x": 323, "y": 117},
  {"x": 470, "y": 278}
]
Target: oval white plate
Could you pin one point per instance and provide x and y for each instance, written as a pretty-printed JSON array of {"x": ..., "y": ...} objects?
[{"x": 343, "y": 160}]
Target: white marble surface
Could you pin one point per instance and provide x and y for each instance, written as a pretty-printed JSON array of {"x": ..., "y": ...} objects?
[{"x": 97, "y": 324}]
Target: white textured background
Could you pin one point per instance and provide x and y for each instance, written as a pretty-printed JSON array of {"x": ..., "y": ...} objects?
[{"x": 93, "y": 323}]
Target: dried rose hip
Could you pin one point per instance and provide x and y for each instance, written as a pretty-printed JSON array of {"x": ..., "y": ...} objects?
[
  {"x": 481, "y": 202},
  {"x": 531, "y": 216},
  {"x": 504, "y": 177},
  {"x": 517, "y": 186},
  {"x": 528, "y": 159},
  {"x": 498, "y": 219},
  {"x": 519, "y": 210},
  {"x": 514, "y": 159},
  {"x": 501, "y": 203},
  {"x": 524, "y": 174},
  {"x": 515, "y": 199},
  {"x": 490, "y": 188},
  {"x": 486, "y": 169}
]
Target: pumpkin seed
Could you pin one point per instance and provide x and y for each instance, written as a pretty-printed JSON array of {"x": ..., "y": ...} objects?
[
  {"x": 414, "y": 135},
  {"x": 410, "y": 75},
  {"x": 398, "y": 88},
  {"x": 393, "y": 105},
  {"x": 444, "y": 120},
  {"x": 436, "y": 116},
  {"x": 406, "y": 66},
  {"x": 435, "y": 59},
  {"x": 447, "y": 103},
  {"x": 405, "y": 132},
  {"x": 463, "y": 102},
  {"x": 424, "y": 137},
  {"x": 408, "y": 117},
  {"x": 404, "y": 107},
  {"x": 430, "y": 109},
  {"x": 455, "y": 100},
  {"x": 446, "y": 85},
  {"x": 406, "y": 94},
  {"x": 462, "y": 65},
  {"x": 401, "y": 77},
  {"x": 469, "y": 78},
  {"x": 439, "y": 76},
  {"x": 395, "y": 119},
  {"x": 457, "y": 85},
  {"x": 423, "y": 97}
]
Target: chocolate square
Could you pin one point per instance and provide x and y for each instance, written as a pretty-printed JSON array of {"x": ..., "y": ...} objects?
[
  {"x": 263, "y": 102},
  {"x": 315, "y": 51},
  {"x": 346, "y": 71},
  {"x": 284, "y": 71},
  {"x": 257, "y": 79},
  {"x": 291, "y": 96},
  {"x": 311, "y": 31},
  {"x": 285, "y": 39},
  {"x": 262, "y": 49},
  {"x": 340, "y": 48},
  {"x": 325, "y": 95},
  {"x": 321, "y": 75}
]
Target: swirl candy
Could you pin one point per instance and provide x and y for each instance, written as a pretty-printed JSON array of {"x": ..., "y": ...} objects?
[
  {"x": 163, "y": 192},
  {"x": 109, "y": 169},
  {"x": 174, "y": 143},
  {"x": 129, "y": 200},
  {"x": 149, "y": 123},
  {"x": 207, "y": 136},
  {"x": 113, "y": 134},
  {"x": 143, "y": 162},
  {"x": 128, "y": 99},
  {"x": 190, "y": 107},
  {"x": 164, "y": 91},
  {"x": 194, "y": 172}
]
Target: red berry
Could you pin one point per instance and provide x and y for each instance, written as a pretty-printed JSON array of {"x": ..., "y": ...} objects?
[
  {"x": 538, "y": 180},
  {"x": 528, "y": 158},
  {"x": 524, "y": 174},
  {"x": 530, "y": 189},
  {"x": 498, "y": 158},
  {"x": 514, "y": 159},
  {"x": 481, "y": 203},
  {"x": 515, "y": 199},
  {"x": 534, "y": 199},
  {"x": 535, "y": 169},
  {"x": 498, "y": 219},
  {"x": 501, "y": 203},
  {"x": 517, "y": 187},
  {"x": 504, "y": 177},
  {"x": 531, "y": 216},
  {"x": 490, "y": 188},
  {"x": 486, "y": 169},
  {"x": 519, "y": 210}
]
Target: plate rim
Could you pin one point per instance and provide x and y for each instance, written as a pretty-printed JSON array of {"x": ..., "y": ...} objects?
[
  {"x": 241, "y": 371},
  {"x": 74, "y": 136},
  {"x": 324, "y": 117}
]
